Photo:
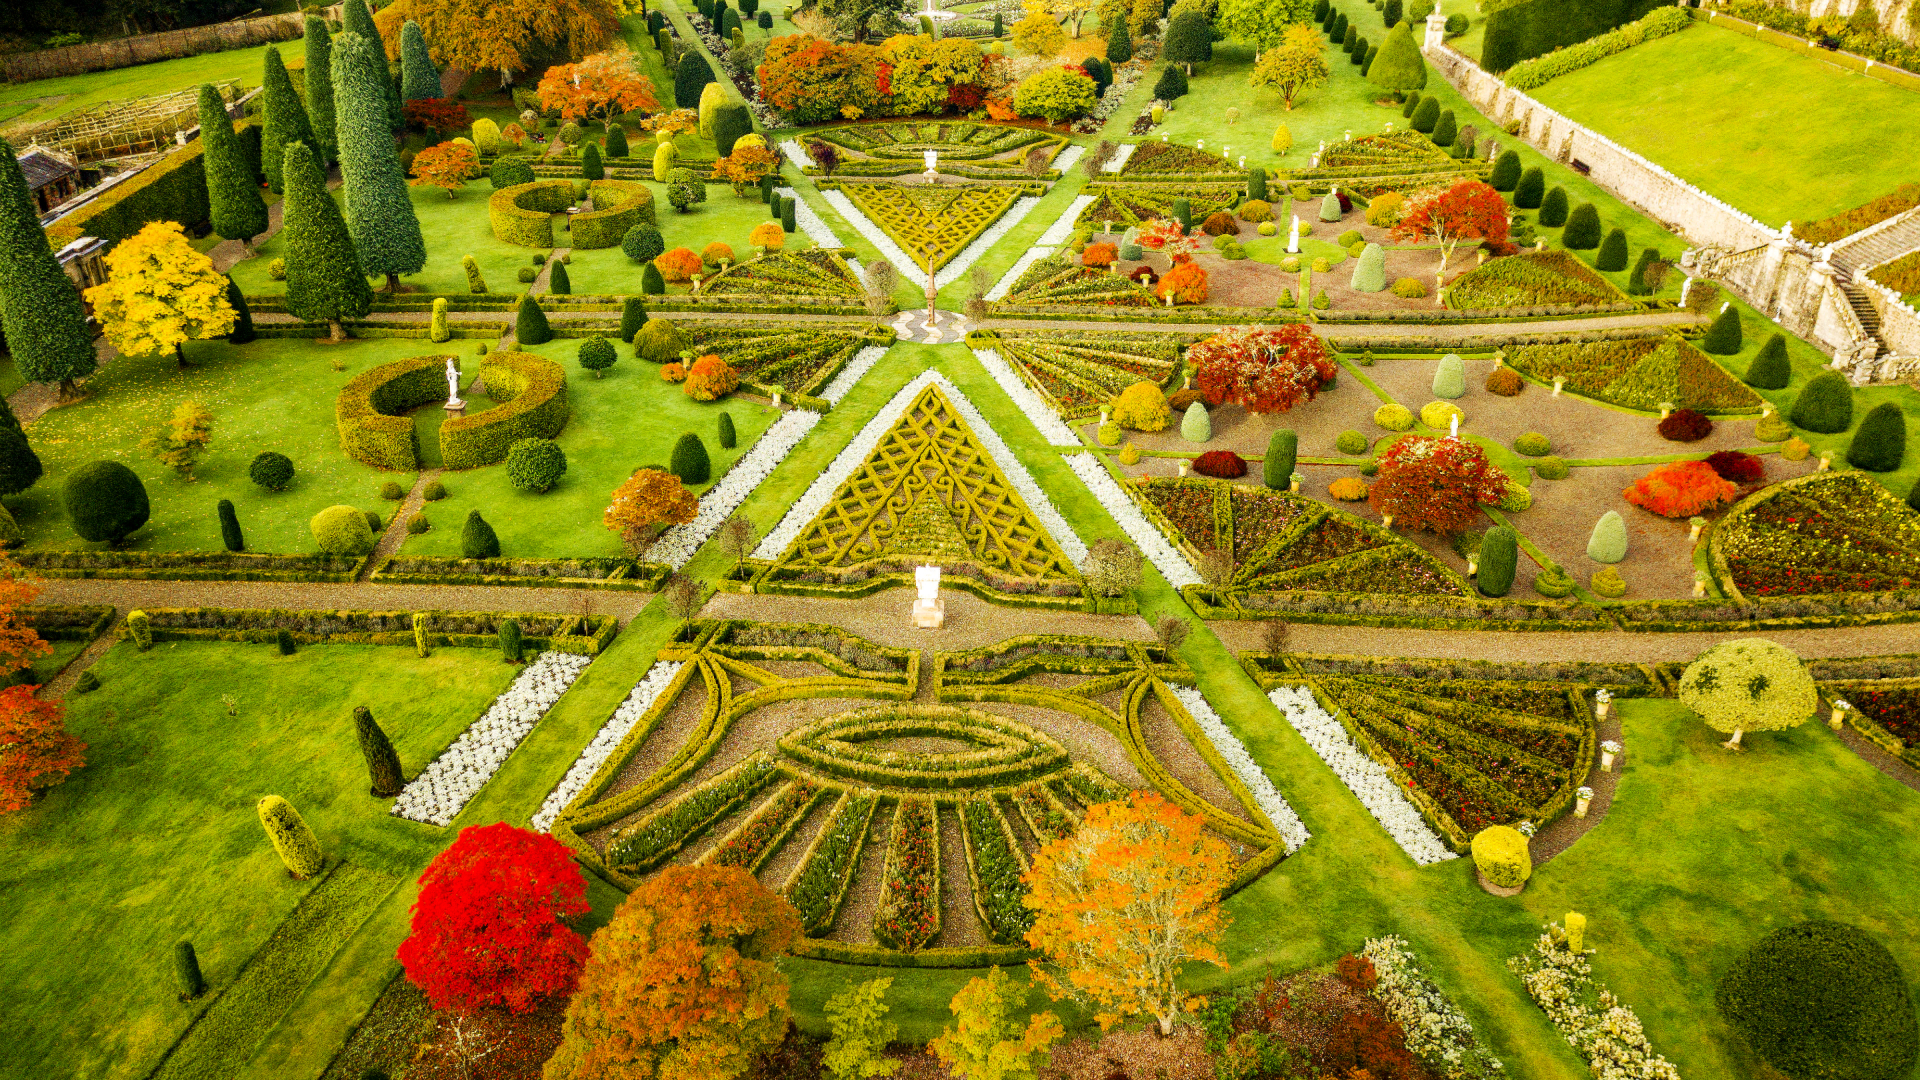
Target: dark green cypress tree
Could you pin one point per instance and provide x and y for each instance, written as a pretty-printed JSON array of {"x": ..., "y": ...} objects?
[
  {"x": 652, "y": 282},
  {"x": 1913, "y": 497},
  {"x": 558, "y": 283},
  {"x": 1553, "y": 207},
  {"x": 379, "y": 209},
  {"x": 1390, "y": 13},
  {"x": 357, "y": 18},
  {"x": 1427, "y": 116},
  {"x": 1339, "y": 30},
  {"x": 477, "y": 540},
  {"x": 590, "y": 166},
  {"x": 510, "y": 640},
  {"x": 689, "y": 461},
  {"x": 729, "y": 22},
  {"x": 1613, "y": 251},
  {"x": 233, "y": 197},
  {"x": 1320, "y": 10},
  {"x": 284, "y": 642},
  {"x": 1366, "y": 64},
  {"x": 1499, "y": 559},
  {"x": 325, "y": 280},
  {"x": 1347, "y": 39},
  {"x": 788, "y": 219},
  {"x": 419, "y": 79},
  {"x": 319, "y": 80},
  {"x": 46, "y": 326},
  {"x": 1444, "y": 129},
  {"x": 1583, "y": 228},
  {"x": 1723, "y": 336},
  {"x": 1506, "y": 172},
  {"x": 689, "y": 78},
  {"x": 1119, "y": 39},
  {"x": 230, "y": 527},
  {"x": 617, "y": 141},
  {"x": 530, "y": 322},
  {"x": 727, "y": 435},
  {"x": 186, "y": 972},
  {"x": 1283, "y": 448},
  {"x": 1771, "y": 370},
  {"x": 20, "y": 467},
  {"x": 286, "y": 120},
  {"x": 633, "y": 316},
  {"x": 242, "y": 331},
  {"x": 1637, "y": 279},
  {"x": 383, "y": 764},
  {"x": 1412, "y": 103},
  {"x": 1257, "y": 183}
]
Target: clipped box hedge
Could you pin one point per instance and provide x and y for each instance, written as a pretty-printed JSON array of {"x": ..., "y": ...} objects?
[
  {"x": 584, "y": 635},
  {"x": 618, "y": 205},
  {"x": 190, "y": 565},
  {"x": 534, "y": 407},
  {"x": 371, "y": 411},
  {"x": 523, "y": 214},
  {"x": 172, "y": 189},
  {"x": 581, "y": 573},
  {"x": 68, "y": 622}
]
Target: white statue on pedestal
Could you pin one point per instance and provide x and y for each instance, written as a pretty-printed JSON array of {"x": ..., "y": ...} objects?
[
  {"x": 929, "y": 611},
  {"x": 932, "y": 160},
  {"x": 453, "y": 385},
  {"x": 1293, "y": 236}
]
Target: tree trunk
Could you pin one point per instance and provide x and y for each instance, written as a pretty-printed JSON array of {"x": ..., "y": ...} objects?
[
  {"x": 1166, "y": 1025},
  {"x": 335, "y": 331},
  {"x": 393, "y": 280},
  {"x": 1734, "y": 743},
  {"x": 179, "y": 355},
  {"x": 69, "y": 390}
]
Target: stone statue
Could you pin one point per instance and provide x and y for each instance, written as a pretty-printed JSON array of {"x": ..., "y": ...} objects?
[
  {"x": 932, "y": 159},
  {"x": 1293, "y": 236},
  {"x": 929, "y": 611},
  {"x": 453, "y": 384}
]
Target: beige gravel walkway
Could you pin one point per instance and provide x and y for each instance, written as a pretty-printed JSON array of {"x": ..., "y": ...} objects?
[{"x": 127, "y": 595}]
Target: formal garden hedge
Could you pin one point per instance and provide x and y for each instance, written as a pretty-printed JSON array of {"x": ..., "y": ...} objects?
[
  {"x": 532, "y": 391},
  {"x": 190, "y": 565},
  {"x": 523, "y": 214},
  {"x": 371, "y": 410},
  {"x": 172, "y": 189},
  {"x": 584, "y": 635},
  {"x": 1519, "y": 30},
  {"x": 580, "y": 573}
]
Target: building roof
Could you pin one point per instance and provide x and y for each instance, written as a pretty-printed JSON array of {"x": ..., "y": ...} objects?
[{"x": 43, "y": 166}]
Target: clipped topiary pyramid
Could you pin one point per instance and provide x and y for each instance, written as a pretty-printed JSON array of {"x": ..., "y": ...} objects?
[
  {"x": 1583, "y": 228},
  {"x": 1770, "y": 369},
  {"x": 1723, "y": 336},
  {"x": 1195, "y": 426},
  {"x": 1370, "y": 269}
]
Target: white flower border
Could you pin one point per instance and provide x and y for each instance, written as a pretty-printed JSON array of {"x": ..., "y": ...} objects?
[
  {"x": 850, "y": 458},
  {"x": 444, "y": 787},
  {"x": 1119, "y": 159},
  {"x": 852, "y": 373},
  {"x": 676, "y": 546},
  {"x": 1165, "y": 557},
  {"x": 796, "y": 154},
  {"x": 641, "y": 699},
  {"x": 1052, "y": 428},
  {"x": 1365, "y": 777},
  {"x": 815, "y": 226},
  {"x": 1293, "y": 832},
  {"x": 1055, "y": 235},
  {"x": 903, "y": 263},
  {"x": 1066, "y": 158}
]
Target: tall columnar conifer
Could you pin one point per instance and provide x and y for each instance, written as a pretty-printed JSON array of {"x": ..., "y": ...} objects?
[
  {"x": 291, "y": 837},
  {"x": 383, "y": 764},
  {"x": 379, "y": 210},
  {"x": 419, "y": 79},
  {"x": 357, "y": 18},
  {"x": 242, "y": 331},
  {"x": 230, "y": 535},
  {"x": 233, "y": 197},
  {"x": 325, "y": 279},
  {"x": 286, "y": 120},
  {"x": 46, "y": 326},
  {"x": 633, "y": 316},
  {"x": 319, "y": 77},
  {"x": 1119, "y": 42}
]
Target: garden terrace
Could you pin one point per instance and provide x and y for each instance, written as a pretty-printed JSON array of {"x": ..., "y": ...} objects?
[
  {"x": 969, "y": 150},
  {"x": 897, "y": 823},
  {"x": 1825, "y": 533}
]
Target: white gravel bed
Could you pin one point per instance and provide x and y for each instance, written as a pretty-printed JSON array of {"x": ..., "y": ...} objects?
[
  {"x": 1052, "y": 428},
  {"x": 1055, "y": 235},
  {"x": 676, "y": 546},
  {"x": 852, "y": 373},
  {"x": 1119, "y": 159},
  {"x": 642, "y": 697},
  {"x": 1292, "y": 831},
  {"x": 815, "y": 226}
]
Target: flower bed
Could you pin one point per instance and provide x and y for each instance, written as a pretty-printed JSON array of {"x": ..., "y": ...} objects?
[
  {"x": 760, "y": 835},
  {"x": 996, "y": 865},
  {"x": 1165, "y": 556},
  {"x": 909, "y": 913},
  {"x": 1824, "y": 533},
  {"x": 1641, "y": 373},
  {"x": 1896, "y": 710},
  {"x": 1604, "y": 1031},
  {"x": 660, "y": 834},
  {"x": 444, "y": 787},
  {"x": 1056, "y": 234},
  {"x": 638, "y": 703},
  {"x": 1076, "y": 372},
  {"x": 1436, "y": 1031},
  {"x": 815, "y": 272},
  {"x": 1121, "y": 205},
  {"x": 1292, "y": 831},
  {"x": 797, "y": 360},
  {"x": 1063, "y": 280},
  {"x": 1366, "y": 778},
  {"x": 818, "y": 886},
  {"x": 1170, "y": 157},
  {"x": 1531, "y": 279}
]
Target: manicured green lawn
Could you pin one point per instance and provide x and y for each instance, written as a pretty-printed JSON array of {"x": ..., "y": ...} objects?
[
  {"x": 157, "y": 841},
  {"x": 1780, "y": 135},
  {"x": 73, "y": 92},
  {"x": 628, "y": 419}
]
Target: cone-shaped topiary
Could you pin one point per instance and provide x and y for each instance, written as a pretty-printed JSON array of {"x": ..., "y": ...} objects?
[
  {"x": 357, "y": 18},
  {"x": 1553, "y": 208},
  {"x": 1613, "y": 251},
  {"x": 1172, "y": 84},
  {"x": 1608, "y": 543},
  {"x": 1529, "y": 189},
  {"x": 1499, "y": 559},
  {"x": 1450, "y": 377},
  {"x": 380, "y": 213},
  {"x": 319, "y": 86},
  {"x": 419, "y": 80},
  {"x": 617, "y": 141},
  {"x": 727, "y": 435},
  {"x": 558, "y": 283},
  {"x": 1119, "y": 41},
  {"x": 477, "y": 539},
  {"x": 1506, "y": 172},
  {"x": 652, "y": 283},
  {"x": 242, "y": 331},
  {"x": 1427, "y": 116},
  {"x": 1637, "y": 280},
  {"x": 1723, "y": 336},
  {"x": 230, "y": 527},
  {"x": 689, "y": 461},
  {"x": 1195, "y": 426},
  {"x": 590, "y": 165},
  {"x": 383, "y": 765},
  {"x": 285, "y": 120},
  {"x": 45, "y": 323},
  {"x": 325, "y": 279},
  {"x": 690, "y": 77},
  {"x": 105, "y": 501},
  {"x": 633, "y": 316},
  {"x": 1412, "y": 103},
  {"x": 1283, "y": 449},
  {"x": 1445, "y": 129},
  {"x": 1370, "y": 269},
  {"x": 1583, "y": 228},
  {"x": 510, "y": 643},
  {"x": 1330, "y": 207},
  {"x": 1881, "y": 443},
  {"x": 530, "y": 322},
  {"x": 1771, "y": 370},
  {"x": 291, "y": 837},
  {"x": 233, "y": 195},
  {"x": 186, "y": 971}
]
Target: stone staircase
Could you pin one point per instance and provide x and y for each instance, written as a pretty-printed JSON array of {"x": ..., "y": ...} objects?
[{"x": 1900, "y": 236}]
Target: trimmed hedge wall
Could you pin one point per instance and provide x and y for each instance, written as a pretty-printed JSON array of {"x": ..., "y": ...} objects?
[
  {"x": 69, "y": 622},
  {"x": 626, "y": 204},
  {"x": 189, "y": 565},
  {"x": 584, "y": 635},
  {"x": 1524, "y": 29},
  {"x": 370, "y": 408},
  {"x": 172, "y": 189},
  {"x": 535, "y": 407},
  {"x": 523, "y": 214},
  {"x": 585, "y": 573}
]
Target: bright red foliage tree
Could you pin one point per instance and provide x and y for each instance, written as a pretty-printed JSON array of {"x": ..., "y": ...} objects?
[
  {"x": 1435, "y": 484},
  {"x": 488, "y": 927},
  {"x": 35, "y": 750},
  {"x": 1682, "y": 489},
  {"x": 1266, "y": 370},
  {"x": 1469, "y": 210},
  {"x": 436, "y": 116}
]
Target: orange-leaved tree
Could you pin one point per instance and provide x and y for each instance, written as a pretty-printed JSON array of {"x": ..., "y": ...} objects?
[
  {"x": 1435, "y": 484},
  {"x": 769, "y": 235},
  {"x": 684, "y": 981},
  {"x": 448, "y": 165},
  {"x": 988, "y": 1043},
  {"x": 20, "y": 645},
  {"x": 597, "y": 88},
  {"x": 507, "y": 36},
  {"x": 1682, "y": 489},
  {"x": 679, "y": 264},
  {"x": 710, "y": 377},
  {"x": 35, "y": 750},
  {"x": 647, "y": 502},
  {"x": 1469, "y": 210},
  {"x": 744, "y": 167},
  {"x": 1124, "y": 903},
  {"x": 1266, "y": 370},
  {"x": 1186, "y": 282}
]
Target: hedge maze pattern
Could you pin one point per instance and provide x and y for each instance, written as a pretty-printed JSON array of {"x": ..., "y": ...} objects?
[
  {"x": 929, "y": 222},
  {"x": 1076, "y": 372},
  {"x": 863, "y": 792}
]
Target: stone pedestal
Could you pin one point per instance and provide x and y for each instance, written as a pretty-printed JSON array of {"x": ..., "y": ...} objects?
[
  {"x": 929, "y": 614},
  {"x": 456, "y": 407}
]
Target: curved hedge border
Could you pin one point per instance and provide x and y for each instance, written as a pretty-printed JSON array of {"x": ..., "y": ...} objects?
[
  {"x": 535, "y": 407},
  {"x": 523, "y": 214},
  {"x": 369, "y": 410}
]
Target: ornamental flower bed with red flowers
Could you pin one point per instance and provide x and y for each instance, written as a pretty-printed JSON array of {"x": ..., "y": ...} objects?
[
  {"x": 1840, "y": 532},
  {"x": 1222, "y": 464},
  {"x": 1188, "y": 508},
  {"x": 1897, "y": 710},
  {"x": 909, "y": 914},
  {"x": 745, "y": 847}
]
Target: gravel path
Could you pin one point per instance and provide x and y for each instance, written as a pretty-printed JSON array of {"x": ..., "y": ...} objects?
[
  {"x": 884, "y": 618},
  {"x": 127, "y": 595},
  {"x": 1638, "y": 647}
]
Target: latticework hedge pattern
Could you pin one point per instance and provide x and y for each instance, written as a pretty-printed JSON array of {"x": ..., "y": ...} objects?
[
  {"x": 798, "y": 359},
  {"x": 1076, "y": 372},
  {"x": 977, "y": 151},
  {"x": 932, "y": 222},
  {"x": 1643, "y": 373},
  {"x": 814, "y": 272}
]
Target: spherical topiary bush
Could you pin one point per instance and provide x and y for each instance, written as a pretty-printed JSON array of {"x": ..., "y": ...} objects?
[
  {"x": 1551, "y": 468},
  {"x": 417, "y": 523},
  {"x": 1752, "y": 684},
  {"x": 597, "y": 355},
  {"x": 1351, "y": 442},
  {"x": 373, "y": 521},
  {"x": 271, "y": 470},
  {"x": 1500, "y": 853},
  {"x": 1608, "y": 542},
  {"x": 1505, "y": 382},
  {"x": 1394, "y": 417},
  {"x": 1532, "y": 444},
  {"x": 1109, "y": 433},
  {"x": 105, "y": 501},
  {"x": 1825, "y": 404},
  {"x": 342, "y": 530},
  {"x": 1822, "y": 1001},
  {"x": 1439, "y": 414},
  {"x": 434, "y": 491},
  {"x": 1256, "y": 210},
  {"x": 1516, "y": 499},
  {"x": 1142, "y": 407},
  {"x": 1685, "y": 425},
  {"x": 1194, "y": 426},
  {"x": 391, "y": 490},
  {"x": 1409, "y": 288},
  {"x": 660, "y": 341},
  {"x": 1450, "y": 377},
  {"x": 1881, "y": 443},
  {"x": 643, "y": 243},
  {"x": 535, "y": 464},
  {"x": 1221, "y": 464}
]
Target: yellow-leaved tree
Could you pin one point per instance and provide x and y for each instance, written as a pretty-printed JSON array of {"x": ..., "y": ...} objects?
[
  {"x": 988, "y": 1043},
  {"x": 1124, "y": 903},
  {"x": 179, "y": 442},
  {"x": 160, "y": 294}
]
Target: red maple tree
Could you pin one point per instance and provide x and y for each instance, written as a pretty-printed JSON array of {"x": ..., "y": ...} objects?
[
  {"x": 435, "y": 116},
  {"x": 35, "y": 750},
  {"x": 489, "y": 927},
  {"x": 1435, "y": 484},
  {"x": 1266, "y": 370},
  {"x": 1469, "y": 210}
]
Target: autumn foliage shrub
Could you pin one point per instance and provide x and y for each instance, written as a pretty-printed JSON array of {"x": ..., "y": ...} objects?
[
  {"x": 1223, "y": 464},
  {"x": 35, "y": 750},
  {"x": 1186, "y": 282},
  {"x": 709, "y": 378},
  {"x": 1435, "y": 484},
  {"x": 1348, "y": 489},
  {"x": 1682, "y": 489},
  {"x": 1265, "y": 370},
  {"x": 1099, "y": 255},
  {"x": 1686, "y": 425},
  {"x": 1220, "y": 223},
  {"x": 646, "y": 502},
  {"x": 1732, "y": 465},
  {"x": 1506, "y": 382},
  {"x": 678, "y": 265},
  {"x": 491, "y": 924}
]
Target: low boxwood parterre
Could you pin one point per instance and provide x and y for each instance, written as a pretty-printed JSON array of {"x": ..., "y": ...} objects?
[
  {"x": 579, "y": 573},
  {"x": 190, "y": 565},
  {"x": 584, "y": 635}
]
